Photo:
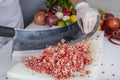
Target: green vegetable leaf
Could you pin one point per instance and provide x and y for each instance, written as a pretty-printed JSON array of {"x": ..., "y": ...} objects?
[
  {"x": 101, "y": 12},
  {"x": 62, "y": 3}
]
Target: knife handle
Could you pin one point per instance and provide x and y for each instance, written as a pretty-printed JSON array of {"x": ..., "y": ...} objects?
[{"x": 7, "y": 31}]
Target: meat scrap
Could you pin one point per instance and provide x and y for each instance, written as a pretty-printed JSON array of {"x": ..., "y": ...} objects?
[{"x": 61, "y": 61}]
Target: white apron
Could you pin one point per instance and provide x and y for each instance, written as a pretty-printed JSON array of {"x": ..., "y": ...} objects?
[{"x": 11, "y": 16}]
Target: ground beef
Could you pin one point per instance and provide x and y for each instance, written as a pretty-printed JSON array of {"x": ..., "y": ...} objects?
[{"x": 61, "y": 61}]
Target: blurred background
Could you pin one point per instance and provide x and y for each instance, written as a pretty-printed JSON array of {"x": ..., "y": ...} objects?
[
  {"x": 30, "y": 7},
  {"x": 107, "y": 5}
]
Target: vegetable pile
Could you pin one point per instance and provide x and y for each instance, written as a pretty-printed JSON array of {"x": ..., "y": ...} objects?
[
  {"x": 111, "y": 25},
  {"x": 62, "y": 61},
  {"x": 58, "y": 12}
]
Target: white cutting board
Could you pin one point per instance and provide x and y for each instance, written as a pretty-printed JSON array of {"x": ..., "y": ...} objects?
[{"x": 20, "y": 72}]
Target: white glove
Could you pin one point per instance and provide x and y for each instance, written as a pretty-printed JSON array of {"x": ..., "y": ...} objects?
[{"x": 86, "y": 17}]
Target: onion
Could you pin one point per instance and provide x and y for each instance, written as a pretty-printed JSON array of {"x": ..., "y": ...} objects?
[
  {"x": 59, "y": 15},
  {"x": 43, "y": 10},
  {"x": 115, "y": 37},
  {"x": 39, "y": 17},
  {"x": 54, "y": 8},
  {"x": 49, "y": 13},
  {"x": 107, "y": 15},
  {"x": 101, "y": 22},
  {"x": 111, "y": 24},
  {"x": 51, "y": 20},
  {"x": 66, "y": 17}
]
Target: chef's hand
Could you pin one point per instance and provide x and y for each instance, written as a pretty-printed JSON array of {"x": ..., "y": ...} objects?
[{"x": 86, "y": 17}]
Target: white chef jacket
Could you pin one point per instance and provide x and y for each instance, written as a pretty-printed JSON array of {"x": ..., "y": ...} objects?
[{"x": 10, "y": 16}]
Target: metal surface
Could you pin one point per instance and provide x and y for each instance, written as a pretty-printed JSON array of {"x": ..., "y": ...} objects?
[
  {"x": 39, "y": 39},
  {"x": 36, "y": 39}
]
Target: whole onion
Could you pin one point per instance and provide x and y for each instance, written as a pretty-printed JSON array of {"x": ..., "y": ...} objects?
[
  {"x": 111, "y": 24},
  {"x": 107, "y": 15},
  {"x": 51, "y": 20},
  {"x": 39, "y": 18}
]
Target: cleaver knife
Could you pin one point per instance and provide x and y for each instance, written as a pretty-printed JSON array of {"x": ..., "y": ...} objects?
[{"x": 28, "y": 39}]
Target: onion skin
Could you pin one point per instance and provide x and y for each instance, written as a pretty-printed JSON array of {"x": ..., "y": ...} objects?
[
  {"x": 43, "y": 10},
  {"x": 111, "y": 24},
  {"x": 54, "y": 8},
  {"x": 39, "y": 18},
  {"x": 101, "y": 22},
  {"x": 49, "y": 13},
  {"x": 107, "y": 15},
  {"x": 51, "y": 20}
]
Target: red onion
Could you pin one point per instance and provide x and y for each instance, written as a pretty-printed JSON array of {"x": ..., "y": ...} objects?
[
  {"x": 108, "y": 15},
  {"x": 115, "y": 36},
  {"x": 49, "y": 13},
  {"x": 51, "y": 20},
  {"x": 54, "y": 8}
]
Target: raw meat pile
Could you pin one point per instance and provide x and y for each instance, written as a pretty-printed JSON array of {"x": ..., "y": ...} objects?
[{"x": 61, "y": 61}]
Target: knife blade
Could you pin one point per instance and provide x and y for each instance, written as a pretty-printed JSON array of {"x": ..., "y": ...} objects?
[{"x": 24, "y": 39}]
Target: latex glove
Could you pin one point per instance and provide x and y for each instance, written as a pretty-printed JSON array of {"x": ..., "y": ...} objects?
[{"x": 86, "y": 17}]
